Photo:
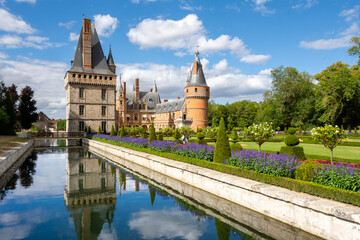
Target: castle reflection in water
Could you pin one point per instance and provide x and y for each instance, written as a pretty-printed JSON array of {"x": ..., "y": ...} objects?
[{"x": 90, "y": 194}]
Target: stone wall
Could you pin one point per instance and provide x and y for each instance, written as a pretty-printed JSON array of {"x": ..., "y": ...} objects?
[{"x": 322, "y": 217}]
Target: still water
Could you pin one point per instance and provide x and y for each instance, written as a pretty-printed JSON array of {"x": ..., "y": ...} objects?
[{"x": 69, "y": 193}]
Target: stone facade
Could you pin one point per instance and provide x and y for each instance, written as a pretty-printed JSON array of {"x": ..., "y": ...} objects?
[{"x": 90, "y": 85}]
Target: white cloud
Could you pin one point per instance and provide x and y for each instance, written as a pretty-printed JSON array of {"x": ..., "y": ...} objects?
[
  {"x": 145, "y": 1},
  {"x": 105, "y": 24},
  {"x": 234, "y": 7},
  {"x": 15, "y": 41},
  {"x": 67, "y": 25},
  {"x": 169, "y": 224},
  {"x": 305, "y": 5},
  {"x": 260, "y": 7},
  {"x": 252, "y": 58},
  {"x": 73, "y": 36},
  {"x": 27, "y": 1},
  {"x": 186, "y": 6},
  {"x": 333, "y": 43},
  {"x": 15, "y": 24},
  {"x": 167, "y": 34},
  {"x": 183, "y": 36},
  {"x": 350, "y": 14},
  {"x": 45, "y": 77},
  {"x": 266, "y": 71},
  {"x": 224, "y": 81}
]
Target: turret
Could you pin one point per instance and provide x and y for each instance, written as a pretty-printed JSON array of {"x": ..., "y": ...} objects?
[
  {"x": 197, "y": 94},
  {"x": 110, "y": 62}
]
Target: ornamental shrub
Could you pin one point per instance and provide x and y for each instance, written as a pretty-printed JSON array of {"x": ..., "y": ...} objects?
[
  {"x": 291, "y": 131},
  {"x": 236, "y": 147},
  {"x": 355, "y": 134},
  {"x": 306, "y": 171},
  {"x": 260, "y": 133},
  {"x": 112, "y": 132},
  {"x": 99, "y": 130},
  {"x": 122, "y": 132},
  {"x": 285, "y": 130},
  {"x": 222, "y": 147},
  {"x": 152, "y": 136},
  {"x": 200, "y": 135},
  {"x": 177, "y": 134},
  {"x": 160, "y": 136},
  {"x": 329, "y": 136},
  {"x": 291, "y": 140},
  {"x": 89, "y": 130},
  {"x": 234, "y": 135},
  {"x": 296, "y": 151}
]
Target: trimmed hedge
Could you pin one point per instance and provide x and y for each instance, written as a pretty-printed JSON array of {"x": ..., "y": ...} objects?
[
  {"x": 297, "y": 151},
  {"x": 315, "y": 189}
]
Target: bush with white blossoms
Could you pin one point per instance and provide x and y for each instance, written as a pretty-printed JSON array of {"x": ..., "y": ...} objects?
[
  {"x": 329, "y": 136},
  {"x": 260, "y": 133}
]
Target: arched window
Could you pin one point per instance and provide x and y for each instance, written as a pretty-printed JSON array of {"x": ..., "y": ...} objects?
[{"x": 195, "y": 89}]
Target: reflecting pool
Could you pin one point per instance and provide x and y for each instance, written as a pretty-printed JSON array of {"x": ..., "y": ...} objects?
[{"x": 69, "y": 193}]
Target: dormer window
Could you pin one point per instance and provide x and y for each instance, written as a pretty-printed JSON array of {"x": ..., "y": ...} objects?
[
  {"x": 100, "y": 77},
  {"x": 84, "y": 76},
  {"x": 105, "y": 78},
  {"x": 79, "y": 76},
  {"x": 74, "y": 75},
  {"x": 90, "y": 76},
  {"x": 195, "y": 89},
  {"x": 110, "y": 78},
  {"x": 95, "y": 77}
]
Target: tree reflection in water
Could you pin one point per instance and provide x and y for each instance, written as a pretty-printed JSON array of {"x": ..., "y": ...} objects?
[{"x": 25, "y": 173}]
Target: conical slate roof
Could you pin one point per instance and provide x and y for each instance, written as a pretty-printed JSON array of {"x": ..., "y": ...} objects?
[
  {"x": 196, "y": 76},
  {"x": 98, "y": 59},
  {"x": 110, "y": 60}
]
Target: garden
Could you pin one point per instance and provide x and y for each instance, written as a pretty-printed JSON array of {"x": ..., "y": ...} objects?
[{"x": 288, "y": 167}]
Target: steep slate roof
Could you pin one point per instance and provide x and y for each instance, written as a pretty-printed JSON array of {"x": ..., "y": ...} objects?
[
  {"x": 170, "y": 106},
  {"x": 110, "y": 60},
  {"x": 196, "y": 76},
  {"x": 150, "y": 98},
  {"x": 98, "y": 59}
]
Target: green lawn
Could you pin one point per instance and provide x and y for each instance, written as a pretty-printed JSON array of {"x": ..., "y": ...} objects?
[
  {"x": 342, "y": 152},
  {"x": 8, "y": 142}
]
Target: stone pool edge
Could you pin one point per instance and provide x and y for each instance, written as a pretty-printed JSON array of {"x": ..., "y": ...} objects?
[
  {"x": 323, "y": 217},
  {"x": 10, "y": 157}
]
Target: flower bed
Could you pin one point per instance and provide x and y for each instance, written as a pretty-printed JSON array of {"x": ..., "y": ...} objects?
[
  {"x": 199, "y": 151},
  {"x": 335, "y": 163},
  {"x": 281, "y": 165},
  {"x": 163, "y": 146},
  {"x": 132, "y": 141}
]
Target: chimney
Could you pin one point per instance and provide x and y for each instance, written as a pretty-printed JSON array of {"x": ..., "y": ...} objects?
[
  {"x": 165, "y": 100},
  {"x": 137, "y": 93},
  {"x": 178, "y": 98},
  {"x": 150, "y": 89},
  {"x": 86, "y": 42}
]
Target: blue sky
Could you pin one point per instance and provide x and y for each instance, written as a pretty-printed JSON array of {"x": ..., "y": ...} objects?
[{"x": 239, "y": 42}]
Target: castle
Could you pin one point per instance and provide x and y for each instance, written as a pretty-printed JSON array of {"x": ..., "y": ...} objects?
[{"x": 91, "y": 94}]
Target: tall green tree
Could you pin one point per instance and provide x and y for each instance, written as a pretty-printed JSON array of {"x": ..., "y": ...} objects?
[
  {"x": 355, "y": 49},
  {"x": 338, "y": 95},
  {"x": 292, "y": 96},
  {"x": 7, "y": 111},
  {"x": 27, "y": 108}
]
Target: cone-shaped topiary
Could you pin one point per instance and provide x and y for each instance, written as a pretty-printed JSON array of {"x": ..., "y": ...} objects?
[
  {"x": 112, "y": 132},
  {"x": 177, "y": 134},
  {"x": 152, "y": 136},
  {"x": 99, "y": 130},
  {"x": 234, "y": 135},
  {"x": 119, "y": 131},
  {"x": 160, "y": 136},
  {"x": 89, "y": 130},
  {"x": 122, "y": 132},
  {"x": 152, "y": 196},
  {"x": 222, "y": 147}
]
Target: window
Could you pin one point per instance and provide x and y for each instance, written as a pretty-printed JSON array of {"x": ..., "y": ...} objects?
[
  {"x": 103, "y": 94},
  {"x": 81, "y": 168},
  {"x": 110, "y": 78},
  {"x": 173, "y": 116},
  {"x": 206, "y": 90},
  {"x": 136, "y": 117},
  {"x": 121, "y": 102},
  {"x": 84, "y": 76},
  {"x": 81, "y": 184},
  {"x": 95, "y": 77},
  {"x": 103, "y": 183},
  {"x": 127, "y": 119},
  {"x": 73, "y": 75},
  {"x": 103, "y": 167},
  {"x": 195, "y": 89},
  {"x": 81, "y": 110},
  {"x": 103, "y": 110},
  {"x": 79, "y": 76},
  {"x": 81, "y": 126},
  {"x": 187, "y": 90},
  {"x": 105, "y": 78},
  {"x": 103, "y": 127},
  {"x": 184, "y": 117},
  {"x": 81, "y": 92},
  {"x": 100, "y": 77},
  {"x": 121, "y": 94},
  {"x": 90, "y": 76}
]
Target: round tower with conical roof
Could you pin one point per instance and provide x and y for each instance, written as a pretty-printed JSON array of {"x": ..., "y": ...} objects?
[{"x": 197, "y": 94}]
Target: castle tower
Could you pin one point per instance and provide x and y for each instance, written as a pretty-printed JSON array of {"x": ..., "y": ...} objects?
[
  {"x": 121, "y": 108},
  {"x": 90, "y": 85},
  {"x": 197, "y": 94}
]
